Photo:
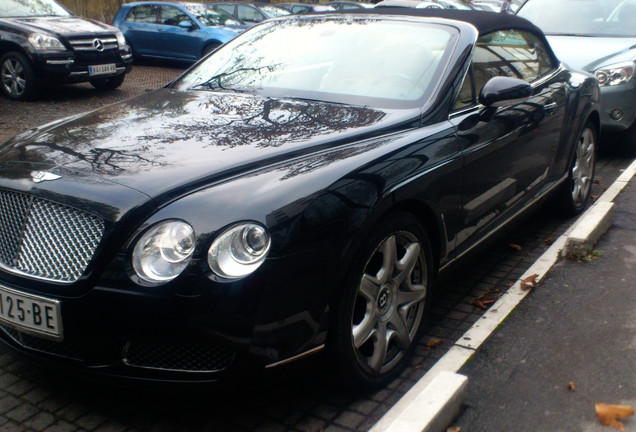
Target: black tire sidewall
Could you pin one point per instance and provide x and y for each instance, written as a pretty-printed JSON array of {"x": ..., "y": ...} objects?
[
  {"x": 341, "y": 350},
  {"x": 31, "y": 85},
  {"x": 567, "y": 204}
]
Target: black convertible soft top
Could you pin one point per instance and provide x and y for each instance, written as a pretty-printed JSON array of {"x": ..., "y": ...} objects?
[{"x": 485, "y": 22}]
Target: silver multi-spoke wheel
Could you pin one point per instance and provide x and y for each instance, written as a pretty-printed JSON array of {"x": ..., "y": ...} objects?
[
  {"x": 17, "y": 78},
  {"x": 583, "y": 168},
  {"x": 389, "y": 303},
  {"x": 14, "y": 79}
]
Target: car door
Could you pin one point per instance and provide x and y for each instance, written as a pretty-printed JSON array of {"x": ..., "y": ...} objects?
[
  {"x": 508, "y": 151},
  {"x": 177, "y": 41},
  {"x": 141, "y": 29}
]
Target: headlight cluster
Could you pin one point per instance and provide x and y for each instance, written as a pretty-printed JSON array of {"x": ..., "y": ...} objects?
[
  {"x": 165, "y": 250},
  {"x": 239, "y": 250},
  {"x": 121, "y": 40},
  {"x": 616, "y": 74},
  {"x": 45, "y": 42}
]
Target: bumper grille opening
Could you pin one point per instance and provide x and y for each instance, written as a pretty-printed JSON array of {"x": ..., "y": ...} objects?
[
  {"x": 46, "y": 240},
  {"x": 60, "y": 349},
  {"x": 177, "y": 357}
]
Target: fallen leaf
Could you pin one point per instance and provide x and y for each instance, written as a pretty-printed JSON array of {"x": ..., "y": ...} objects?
[
  {"x": 549, "y": 241},
  {"x": 597, "y": 181},
  {"x": 571, "y": 386},
  {"x": 610, "y": 414},
  {"x": 594, "y": 197},
  {"x": 486, "y": 299},
  {"x": 454, "y": 429},
  {"x": 432, "y": 343},
  {"x": 515, "y": 247},
  {"x": 529, "y": 282},
  {"x": 510, "y": 284}
]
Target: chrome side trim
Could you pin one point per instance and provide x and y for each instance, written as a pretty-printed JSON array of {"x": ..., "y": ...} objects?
[
  {"x": 60, "y": 62},
  {"x": 510, "y": 219},
  {"x": 296, "y": 357}
]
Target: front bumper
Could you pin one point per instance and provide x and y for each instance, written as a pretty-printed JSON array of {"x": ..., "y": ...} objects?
[
  {"x": 71, "y": 67},
  {"x": 199, "y": 331},
  {"x": 623, "y": 98}
]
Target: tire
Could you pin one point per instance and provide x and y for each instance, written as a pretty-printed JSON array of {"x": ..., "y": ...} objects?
[
  {"x": 576, "y": 190},
  {"x": 379, "y": 316},
  {"x": 209, "y": 48},
  {"x": 627, "y": 141},
  {"x": 108, "y": 83},
  {"x": 17, "y": 77}
]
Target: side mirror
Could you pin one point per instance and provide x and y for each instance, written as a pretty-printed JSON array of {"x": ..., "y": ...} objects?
[
  {"x": 504, "y": 91},
  {"x": 185, "y": 24}
]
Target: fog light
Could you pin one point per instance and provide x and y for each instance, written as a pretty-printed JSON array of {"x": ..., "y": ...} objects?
[{"x": 617, "y": 114}]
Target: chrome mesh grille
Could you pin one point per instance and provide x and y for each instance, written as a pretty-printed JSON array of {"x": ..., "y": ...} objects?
[
  {"x": 46, "y": 240},
  {"x": 178, "y": 356}
]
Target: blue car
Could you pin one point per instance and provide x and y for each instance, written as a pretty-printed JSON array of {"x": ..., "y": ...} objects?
[{"x": 176, "y": 31}]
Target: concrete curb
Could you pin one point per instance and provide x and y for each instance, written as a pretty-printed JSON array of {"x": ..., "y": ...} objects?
[{"x": 434, "y": 401}]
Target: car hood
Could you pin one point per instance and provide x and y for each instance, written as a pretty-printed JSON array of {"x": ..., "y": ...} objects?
[
  {"x": 589, "y": 53},
  {"x": 64, "y": 26},
  {"x": 167, "y": 142}
]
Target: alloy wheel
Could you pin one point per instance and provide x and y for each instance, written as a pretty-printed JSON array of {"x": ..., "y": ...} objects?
[
  {"x": 583, "y": 168},
  {"x": 389, "y": 303},
  {"x": 13, "y": 77}
]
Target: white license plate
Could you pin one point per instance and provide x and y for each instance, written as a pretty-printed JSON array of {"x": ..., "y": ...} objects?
[
  {"x": 102, "y": 69},
  {"x": 30, "y": 313}
]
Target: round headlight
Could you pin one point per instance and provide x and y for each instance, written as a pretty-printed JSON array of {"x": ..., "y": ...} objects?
[
  {"x": 239, "y": 250},
  {"x": 164, "y": 251}
]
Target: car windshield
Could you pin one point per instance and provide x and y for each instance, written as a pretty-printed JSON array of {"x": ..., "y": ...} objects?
[
  {"x": 210, "y": 17},
  {"x": 31, "y": 8},
  {"x": 368, "y": 61},
  {"x": 273, "y": 11},
  {"x": 582, "y": 17}
]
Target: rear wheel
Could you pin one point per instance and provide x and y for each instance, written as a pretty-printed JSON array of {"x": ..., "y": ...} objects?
[
  {"x": 17, "y": 77},
  {"x": 575, "y": 192},
  {"x": 108, "y": 83},
  {"x": 379, "y": 317}
]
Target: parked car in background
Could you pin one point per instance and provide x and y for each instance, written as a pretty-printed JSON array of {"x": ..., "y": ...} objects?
[
  {"x": 42, "y": 42},
  {"x": 349, "y": 5},
  {"x": 597, "y": 36},
  {"x": 175, "y": 30},
  {"x": 250, "y": 13},
  {"x": 416, "y": 4},
  {"x": 301, "y": 8},
  {"x": 298, "y": 189},
  {"x": 455, "y": 4}
]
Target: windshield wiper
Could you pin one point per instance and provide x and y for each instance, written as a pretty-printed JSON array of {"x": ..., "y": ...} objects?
[{"x": 571, "y": 34}]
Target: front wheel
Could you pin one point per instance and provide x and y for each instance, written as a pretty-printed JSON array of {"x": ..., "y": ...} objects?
[
  {"x": 379, "y": 316},
  {"x": 575, "y": 192},
  {"x": 17, "y": 77},
  {"x": 108, "y": 83}
]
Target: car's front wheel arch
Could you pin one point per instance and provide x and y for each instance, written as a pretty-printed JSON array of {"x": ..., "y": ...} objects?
[{"x": 400, "y": 232}]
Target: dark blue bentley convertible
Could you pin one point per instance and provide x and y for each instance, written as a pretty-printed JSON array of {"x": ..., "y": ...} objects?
[{"x": 300, "y": 189}]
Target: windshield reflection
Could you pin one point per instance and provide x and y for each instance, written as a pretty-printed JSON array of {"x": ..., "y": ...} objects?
[
  {"x": 330, "y": 59},
  {"x": 31, "y": 8},
  {"x": 582, "y": 18}
]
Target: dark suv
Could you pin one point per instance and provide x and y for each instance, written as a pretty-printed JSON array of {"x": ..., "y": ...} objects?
[{"x": 41, "y": 41}]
